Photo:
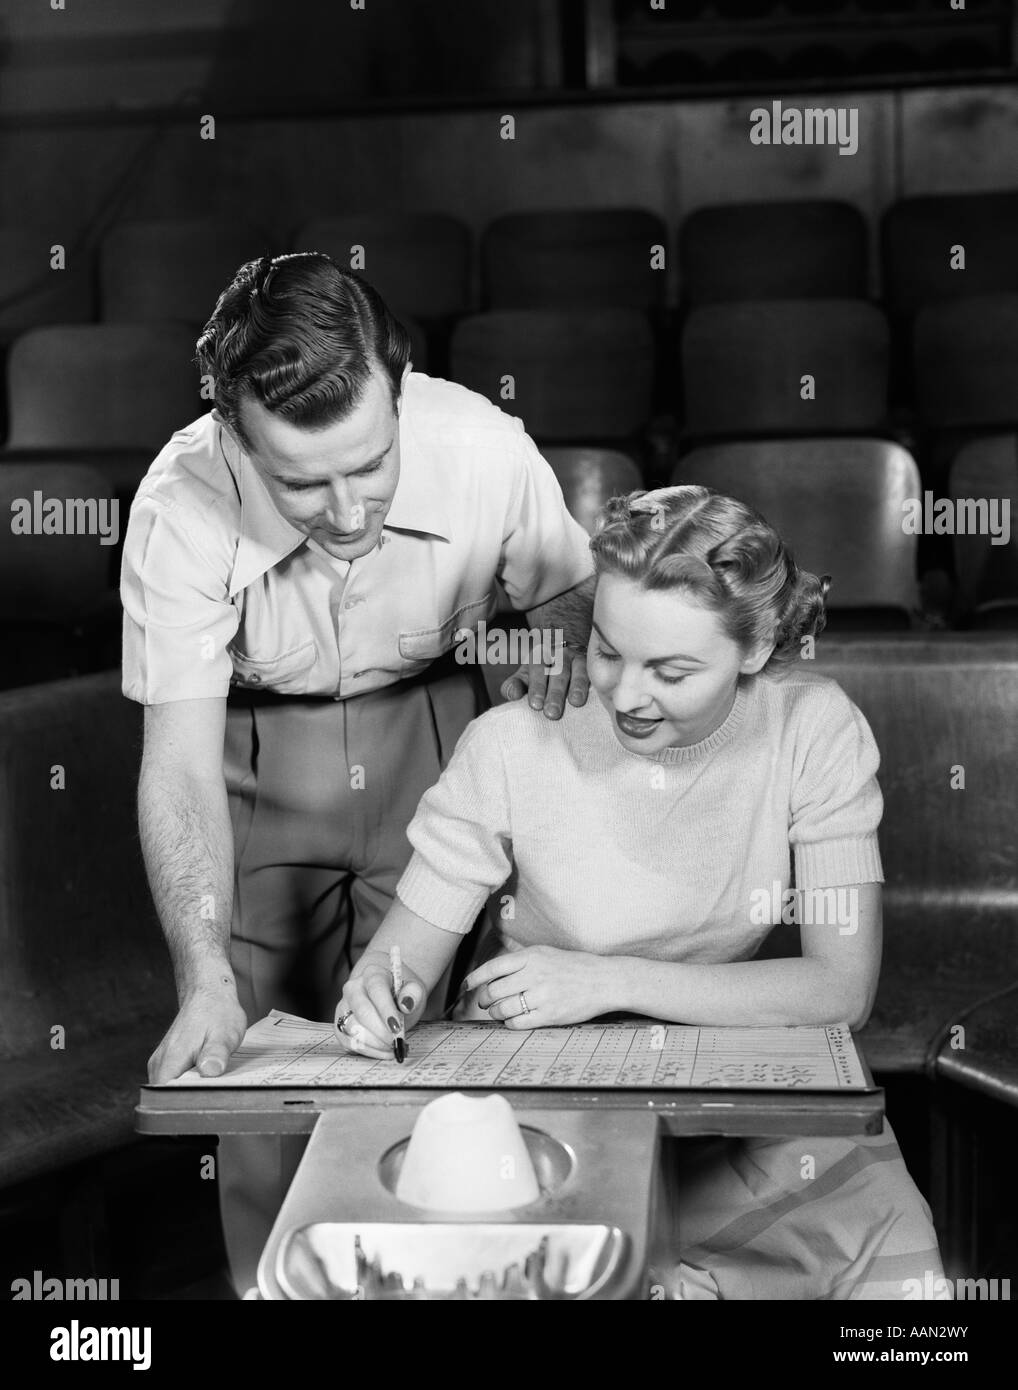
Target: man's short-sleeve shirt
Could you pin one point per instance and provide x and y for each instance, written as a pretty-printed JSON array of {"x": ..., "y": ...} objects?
[{"x": 219, "y": 588}]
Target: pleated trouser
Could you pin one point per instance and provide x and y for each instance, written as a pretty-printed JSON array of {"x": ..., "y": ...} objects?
[{"x": 321, "y": 792}]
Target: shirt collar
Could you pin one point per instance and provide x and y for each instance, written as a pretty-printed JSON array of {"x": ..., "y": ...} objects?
[
  {"x": 266, "y": 537},
  {"x": 420, "y": 502}
]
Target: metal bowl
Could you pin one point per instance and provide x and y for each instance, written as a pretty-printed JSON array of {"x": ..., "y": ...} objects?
[{"x": 553, "y": 1163}]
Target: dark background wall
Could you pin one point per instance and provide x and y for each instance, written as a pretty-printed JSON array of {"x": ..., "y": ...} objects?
[{"x": 100, "y": 108}]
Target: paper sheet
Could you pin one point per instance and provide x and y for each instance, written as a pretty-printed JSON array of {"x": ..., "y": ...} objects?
[{"x": 282, "y": 1050}]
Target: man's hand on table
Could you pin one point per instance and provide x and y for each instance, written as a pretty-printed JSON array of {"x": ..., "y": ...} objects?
[
  {"x": 209, "y": 1027},
  {"x": 549, "y": 689}
]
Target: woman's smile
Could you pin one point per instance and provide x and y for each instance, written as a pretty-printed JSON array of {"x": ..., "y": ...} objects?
[{"x": 635, "y": 727}]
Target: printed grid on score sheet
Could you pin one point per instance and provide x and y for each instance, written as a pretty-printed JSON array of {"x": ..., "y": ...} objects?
[{"x": 282, "y": 1050}]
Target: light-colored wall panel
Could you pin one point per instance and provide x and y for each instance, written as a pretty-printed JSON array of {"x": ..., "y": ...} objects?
[{"x": 959, "y": 140}]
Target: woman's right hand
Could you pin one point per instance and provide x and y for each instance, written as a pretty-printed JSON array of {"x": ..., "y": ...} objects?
[{"x": 368, "y": 998}]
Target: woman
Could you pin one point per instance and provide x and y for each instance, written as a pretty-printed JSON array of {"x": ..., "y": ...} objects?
[{"x": 636, "y": 841}]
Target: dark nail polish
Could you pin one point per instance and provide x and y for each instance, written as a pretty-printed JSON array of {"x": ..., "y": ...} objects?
[
  {"x": 394, "y": 1024},
  {"x": 407, "y": 1002}
]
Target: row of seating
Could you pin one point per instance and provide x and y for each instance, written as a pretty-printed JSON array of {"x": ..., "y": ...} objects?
[
  {"x": 854, "y": 508},
  {"x": 769, "y": 368},
  {"x": 423, "y": 262},
  {"x": 840, "y": 503}
]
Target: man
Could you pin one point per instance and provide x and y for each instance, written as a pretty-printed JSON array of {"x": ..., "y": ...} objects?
[{"x": 296, "y": 568}]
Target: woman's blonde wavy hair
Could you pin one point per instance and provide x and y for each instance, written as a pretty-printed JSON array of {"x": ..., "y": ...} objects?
[{"x": 722, "y": 553}]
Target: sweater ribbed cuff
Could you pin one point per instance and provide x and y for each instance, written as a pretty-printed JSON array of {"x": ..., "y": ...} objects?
[
  {"x": 837, "y": 863},
  {"x": 438, "y": 901}
]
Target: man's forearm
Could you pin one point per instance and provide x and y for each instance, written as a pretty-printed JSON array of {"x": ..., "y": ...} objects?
[
  {"x": 570, "y": 613},
  {"x": 187, "y": 841}
]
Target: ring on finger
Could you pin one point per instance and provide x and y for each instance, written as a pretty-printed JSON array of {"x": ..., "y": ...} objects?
[{"x": 341, "y": 1022}]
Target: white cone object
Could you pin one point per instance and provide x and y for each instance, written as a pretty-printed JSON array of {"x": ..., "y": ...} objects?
[{"x": 465, "y": 1154}]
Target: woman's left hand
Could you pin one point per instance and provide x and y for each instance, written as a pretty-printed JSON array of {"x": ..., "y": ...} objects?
[{"x": 538, "y": 986}]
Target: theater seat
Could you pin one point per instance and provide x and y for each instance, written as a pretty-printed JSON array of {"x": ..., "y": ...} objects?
[
  {"x": 838, "y": 503},
  {"x": 585, "y": 374},
  {"x": 744, "y": 365},
  {"x": 811, "y": 249},
  {"x": 965, "y": 367},
  {"x": 588, "y": 477},
  {"x": 578, "y": 259},
  {"x": 59, "y": 608},
  {"x": 119, "y": 386},
  {"x": 966, "y": 363},
  {"x": 987, "y": 571},
  {"x": 53, "y": 577},
  {"x": 918, "y": 234},
  {"x": 81, "y": 946},
  {"x": 988, "y": 1061},
  {"x": 31, "y": 291},
  {"x": 937, "y": 705},
  {"x": 171, "y": 269},
  {"x": 417, "y": 261}
]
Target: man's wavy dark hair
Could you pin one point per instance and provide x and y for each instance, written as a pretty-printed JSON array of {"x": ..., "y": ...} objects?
[{"x": 302, "y": 337}]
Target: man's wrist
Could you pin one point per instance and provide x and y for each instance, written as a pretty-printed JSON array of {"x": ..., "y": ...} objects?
[{"x": 213, "y": 977}]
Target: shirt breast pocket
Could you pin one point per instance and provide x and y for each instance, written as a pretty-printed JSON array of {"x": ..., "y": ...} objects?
[
  {"x": 287, "y": 674},
  {"x": 429, "y": 643}
]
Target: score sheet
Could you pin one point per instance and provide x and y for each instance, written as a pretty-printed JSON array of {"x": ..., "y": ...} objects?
[{"x": 282, "y": 1050}]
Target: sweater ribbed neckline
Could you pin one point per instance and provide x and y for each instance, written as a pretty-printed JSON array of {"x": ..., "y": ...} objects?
[{"x": 692, "y": 752}]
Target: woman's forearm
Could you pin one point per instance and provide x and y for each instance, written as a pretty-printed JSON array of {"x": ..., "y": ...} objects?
[
  {"x": 426, "y": 949},
  {"x": 752, "y": 992}
]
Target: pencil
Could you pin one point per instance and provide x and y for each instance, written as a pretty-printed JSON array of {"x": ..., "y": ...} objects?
[{"x": 396, "y": 966}]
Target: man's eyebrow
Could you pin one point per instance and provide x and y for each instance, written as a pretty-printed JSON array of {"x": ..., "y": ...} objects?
[
  {"x": 317, "y": 482},
  {"x": 658, "y": 660}
]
